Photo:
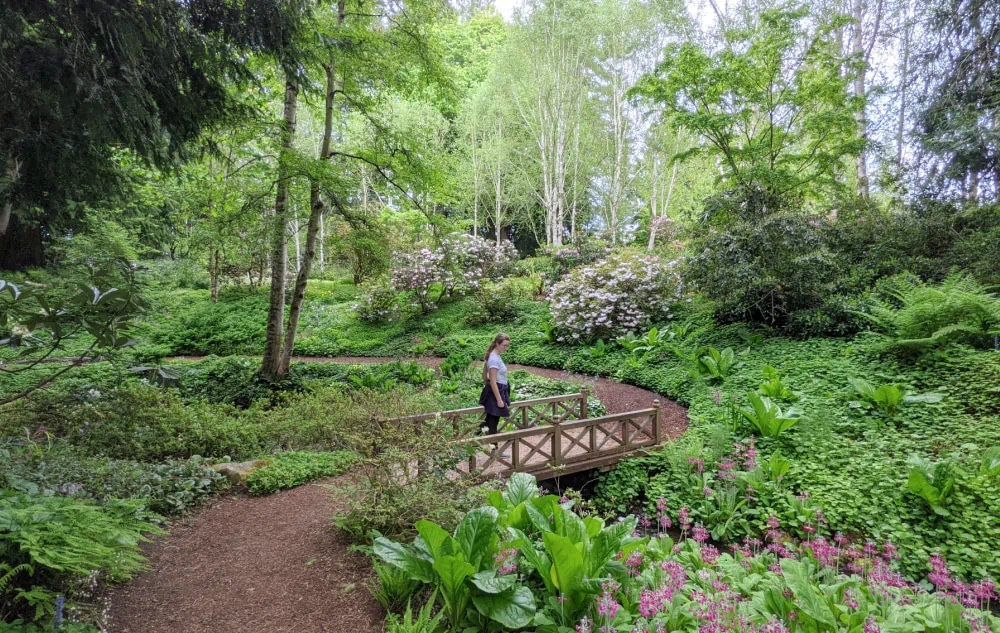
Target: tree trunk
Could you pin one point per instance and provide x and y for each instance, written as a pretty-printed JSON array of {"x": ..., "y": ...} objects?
[
  {"x": 859, "y": 91},
  {"x": 317, "y": 207},
  {"x": 13, "y": 175},
  {"x": 21, "y": 245},
  {"x": 271, "y": 365},
  {"x": 653, "y": 190},
  {"x": 213, "y": 271},
  {"x": 322, "y": 241},
  {"x": 903, "y": 79}
]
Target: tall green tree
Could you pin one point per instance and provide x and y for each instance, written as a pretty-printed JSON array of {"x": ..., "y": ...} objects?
[
  {"x": 772, "y": 106},
  {"x": 959, "y": 126},
  {"x": 367, "y": 56},
  {"x": 84, "y": 78}
]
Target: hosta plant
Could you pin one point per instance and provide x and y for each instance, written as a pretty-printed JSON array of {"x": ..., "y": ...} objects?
[
  {"x": 766, "y": 417},
  {"x": 888, "y": 398}
]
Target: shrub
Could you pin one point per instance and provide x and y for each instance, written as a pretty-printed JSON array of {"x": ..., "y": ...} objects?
[
  {"x": 232, "y": 380},
  {"x": 583, "y": 251},
  {"x": 404, "y": 471},
  {"x": 288, "y": 470},
  {"x": 378, "y": 303},
  {"x": 616, "y": 295},
  {"x": 470, "y": 260},
  {"x": 762, "y": 269},
  {"x": 139, "y": 422},
  {"x": 47, "y": 542},
  {"x": 170, "y": 487},
  {"x": 423, "y": 274},
  {"x": 495, "y": 303}
]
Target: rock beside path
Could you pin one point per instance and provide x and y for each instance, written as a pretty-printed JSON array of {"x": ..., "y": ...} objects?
[{"x": 237, "y": 472}]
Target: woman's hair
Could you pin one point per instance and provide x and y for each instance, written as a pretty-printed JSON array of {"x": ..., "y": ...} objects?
[{"x": 497, "y": 340}]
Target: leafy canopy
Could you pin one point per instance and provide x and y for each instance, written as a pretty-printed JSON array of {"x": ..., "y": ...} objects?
[{"x": 773, "y": 105}]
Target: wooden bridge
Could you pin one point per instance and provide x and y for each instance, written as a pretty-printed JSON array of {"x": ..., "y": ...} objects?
[{"x": 548, "y": 437}]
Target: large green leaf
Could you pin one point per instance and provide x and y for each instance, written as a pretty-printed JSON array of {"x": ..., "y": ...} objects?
[
  {"x": 539, "y": 561},
  {"x": 570, "y": 525},
  {"x": 475, "y": 533},
  {"x": 567, "y": 562},
  {"x": 513, "y": 608},
  {"x": 806, "y": 595},
  {"x": 538, "y": 518},
  {"x": 453, "y": 570},
  {"x": 404, "y": 558},
  {"x": 488, "y": 581},
  {"x": 520, "y": 488},
  {"x": 439, "y": 543}
]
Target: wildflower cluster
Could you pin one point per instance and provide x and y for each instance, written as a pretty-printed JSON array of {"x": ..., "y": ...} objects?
[{"x": 614, "y": 296}]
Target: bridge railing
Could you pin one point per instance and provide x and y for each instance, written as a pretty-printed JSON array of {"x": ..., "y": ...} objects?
[
  {"x": 564, "y": 447},
  {"x": 524, "y": 414}
]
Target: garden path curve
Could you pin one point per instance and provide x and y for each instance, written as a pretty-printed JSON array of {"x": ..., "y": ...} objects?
[{"x": 272, "y": 565}]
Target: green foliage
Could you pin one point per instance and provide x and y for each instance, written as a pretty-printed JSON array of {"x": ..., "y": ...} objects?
[
  {"x": 459, "y": 567},
  {"x": 711, "y": 365},
  {"x": 933, "y": 483},
  {"x": 765, "y": 261},
  {"x": 773, "y": 129},
  {"x": 597, "y": 351},
  {"x": 959, "y": 309},
  {"x": 392, "y": 587},
  {"x": 888, "y": 398},
  {"x": 403, "y": 470},
  {"x": 55, "y": 467},
  {"x": 989, "y": 465},
  {"x": 53, "y": 540},
  {"x": 424, "y": 622},
  {"x": 456, "y": 364},
  {"x": 291, "y": 469},
  {"x": 100, "y": 310},
  {"x": 766, "y": 417},
  {"x": 379, "y": 302},
  {"x": 140, "y": 422},
  {"x": 496, "y": 302},
  {"x": 773, "y": 388}
]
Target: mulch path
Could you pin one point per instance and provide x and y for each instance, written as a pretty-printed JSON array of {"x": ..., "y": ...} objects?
[
  {"x": 251, "y": 564},
  {"x": 272, "y": 564}
]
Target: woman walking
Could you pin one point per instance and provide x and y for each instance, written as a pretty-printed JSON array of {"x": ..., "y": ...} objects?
[{"x": 495, "y": 397}]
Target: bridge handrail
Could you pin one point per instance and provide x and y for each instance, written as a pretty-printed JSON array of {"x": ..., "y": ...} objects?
[{"x": 517, "y": 408}]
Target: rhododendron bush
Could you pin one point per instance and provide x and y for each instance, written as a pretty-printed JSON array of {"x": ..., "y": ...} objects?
[
  {"x": 459, "y": 265},
  {"x": 614, "y": 296},
  {"x": 469, "y": 260},
  {"x": 528, "y": 561}
]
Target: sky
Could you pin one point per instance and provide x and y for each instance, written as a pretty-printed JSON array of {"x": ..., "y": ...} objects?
[{"x": 506, "y": 7}]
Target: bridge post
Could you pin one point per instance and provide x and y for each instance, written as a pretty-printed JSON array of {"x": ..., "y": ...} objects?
[
  {"x": 557, "y": 457},
  {"x": 584, "y": 410},
  {"x": 657, "y": 427}
]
